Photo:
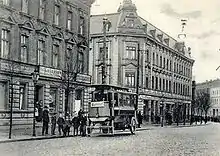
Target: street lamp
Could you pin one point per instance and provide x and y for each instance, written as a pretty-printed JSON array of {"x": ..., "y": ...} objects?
[
  {"x": 35, "y": 77},
  {"x": 162, "y": 111}
]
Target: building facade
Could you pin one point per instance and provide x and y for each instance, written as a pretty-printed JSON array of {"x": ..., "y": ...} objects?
[
  {"x": 213, "y": 89},
  {"x": 50, "y": 36},
  {"x": 165, "y": 69}
]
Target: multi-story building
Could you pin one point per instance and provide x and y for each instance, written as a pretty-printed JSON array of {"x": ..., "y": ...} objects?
[
  {"x": 165, "y": 64},
  {"x": 213, "y": 89},
  {"x": 52, "y": 36}
]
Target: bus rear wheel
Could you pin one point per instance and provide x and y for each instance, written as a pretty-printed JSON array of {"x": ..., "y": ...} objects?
[{"x": 133, "y": 126}]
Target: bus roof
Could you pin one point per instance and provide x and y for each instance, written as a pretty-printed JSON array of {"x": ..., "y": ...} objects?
[{"x": 109, "y": 87}]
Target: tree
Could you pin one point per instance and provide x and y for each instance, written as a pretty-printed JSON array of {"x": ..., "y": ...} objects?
[{"x": 203, "y": 103}]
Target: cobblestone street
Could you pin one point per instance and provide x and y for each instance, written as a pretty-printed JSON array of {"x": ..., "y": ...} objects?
[{"x": 200, "y": 140}]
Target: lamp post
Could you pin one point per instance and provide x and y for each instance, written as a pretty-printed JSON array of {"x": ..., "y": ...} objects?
[
  {"x": 35, "y": 77},
  {"x": 162, "y": 111}
]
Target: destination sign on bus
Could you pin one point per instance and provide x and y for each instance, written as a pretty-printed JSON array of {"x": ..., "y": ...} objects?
[{"x": 97, "y": 104}]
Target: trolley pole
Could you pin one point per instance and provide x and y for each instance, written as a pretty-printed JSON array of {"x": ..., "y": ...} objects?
[
  {"x": 104, "y": 67},
  {"x": 138, "y": 76}
]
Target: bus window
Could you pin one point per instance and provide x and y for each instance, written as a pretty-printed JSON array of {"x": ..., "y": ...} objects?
[{"x": 116, "y": 99}]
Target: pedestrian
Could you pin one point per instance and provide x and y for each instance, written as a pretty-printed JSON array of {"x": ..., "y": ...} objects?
[
  {"x": 66, "y": 127},
  {"x": 83, "y": 125},
  {"x": 45, "y": 120},
  {"x": 39, "y": 106},
  {"x": 53, "y": 124},
  {"x": 76, "y": 124},
  {"x": 140, "y": 118},
  {"x": 60, "y": 123},
  {"x": 80, "y": 114}
]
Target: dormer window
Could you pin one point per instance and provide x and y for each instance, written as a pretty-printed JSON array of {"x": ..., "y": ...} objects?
[
  {"x": 24, "y": 7},
  {"x": 57, "y": 14},
  {"x": 5, "y": 2}
]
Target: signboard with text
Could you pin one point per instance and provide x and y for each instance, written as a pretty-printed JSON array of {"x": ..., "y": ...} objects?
[
  {"x": 97, "y": 104},
  {"x": 83, "y": 78},
  {"x": 50, "y": 72}
]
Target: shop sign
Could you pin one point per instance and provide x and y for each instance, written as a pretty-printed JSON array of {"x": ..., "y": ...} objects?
[
  {"x": 97, "y": 104},
  {"x": 15, "y": 67},
  {"x": 50, "y": 72},
  {"x": 83, "y": 78}
]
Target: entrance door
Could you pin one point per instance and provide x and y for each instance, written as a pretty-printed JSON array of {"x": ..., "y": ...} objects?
[
  {"x": 40, "y": 93},
  {"x": 2, "y": 95}
]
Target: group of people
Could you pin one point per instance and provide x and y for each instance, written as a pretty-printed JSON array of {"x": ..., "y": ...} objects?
[{"x": 78, "y": 122}]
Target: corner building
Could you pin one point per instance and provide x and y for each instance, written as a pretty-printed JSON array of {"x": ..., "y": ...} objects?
[
  {"x": 51, "y": 35},
  {"x": 165, "y": 63}
]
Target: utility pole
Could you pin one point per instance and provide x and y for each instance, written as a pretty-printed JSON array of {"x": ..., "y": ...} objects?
[
  {"x": 138, "y": 73},
  {"x": 104, "y": 66}
]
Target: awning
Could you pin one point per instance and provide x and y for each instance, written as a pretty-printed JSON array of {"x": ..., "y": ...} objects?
[{"x": 99, "y": 119}]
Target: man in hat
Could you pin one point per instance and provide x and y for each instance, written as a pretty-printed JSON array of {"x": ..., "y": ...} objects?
[{"x": 45, "y": 120}]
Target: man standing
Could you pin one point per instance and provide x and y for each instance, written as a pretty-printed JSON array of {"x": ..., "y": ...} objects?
[
  {"x": 53, "y": 124},
  {"x": 60, "y": 123},
  {"x": 45, "y": 120},
  {"x": 139, "y": 117}
]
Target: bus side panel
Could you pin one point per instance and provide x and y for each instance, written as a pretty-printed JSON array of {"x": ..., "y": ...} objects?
[{"x": 99, "y": 111}]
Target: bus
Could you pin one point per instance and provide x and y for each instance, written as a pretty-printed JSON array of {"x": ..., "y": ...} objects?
[{"x": 112, "y": 108}]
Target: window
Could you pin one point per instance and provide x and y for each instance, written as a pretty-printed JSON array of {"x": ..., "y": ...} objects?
[
  {"x": 163, "y": 84},
  {"x": 160, "y": 84},
  {"x": 157, "y": 60},
  {"x": 69, "y": 20},
  {"x": 170, "y": 65},
  {"x": 167, "y": 66},
  {"x": 147, "y": 56},
  {"x": 24, "y": 7},
  {"x": 5, "y": 2},
  {"x": 80, "y": 62},
  {"x": 101, "y": 53},
  {"x": 81, "y": 25},
  {"x": 4, "y": 43},
  {"x": 40, "y": 52},
  {"x": 156, "y": 82},
  {"x": 130, "y": 52},
  {"x": 130, "y": 79},
  {"x": 147, "y": 81},
  {"x": 57, "y": 14},
  {"x": 153, "y": 58},
  {"x": 161, "y": 63},
  {"x": 152, "y": 82},
  {"x": 53, "y": 97},
  {"x": 170, "y": 86},
  {"x": 42, "y": 9},
  {"x": 22, "y": 96},
  {"x": 24, "y": 48},
  {"x": 55, "y": 56}
]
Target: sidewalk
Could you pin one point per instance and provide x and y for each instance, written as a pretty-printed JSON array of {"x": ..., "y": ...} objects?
[
  {"x": 25, "y": 134},
  {"x": 21, "y": 134},
  {"x": 146, "y": 126}
]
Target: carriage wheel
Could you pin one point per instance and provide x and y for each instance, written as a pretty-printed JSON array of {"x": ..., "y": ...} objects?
[{"x": 133, "y": 125}]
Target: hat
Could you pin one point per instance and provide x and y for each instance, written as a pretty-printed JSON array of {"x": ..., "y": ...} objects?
[{"x": 45, "y": 107}]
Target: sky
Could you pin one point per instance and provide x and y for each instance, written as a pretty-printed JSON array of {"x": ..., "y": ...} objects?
[{"x": 202, "y": 29}]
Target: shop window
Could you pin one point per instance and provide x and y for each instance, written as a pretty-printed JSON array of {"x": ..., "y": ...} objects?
[
  {"x": 2, "y": 95},
  {"x": 22, "y": 95},
  {"x": 52, "y": 99}
]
